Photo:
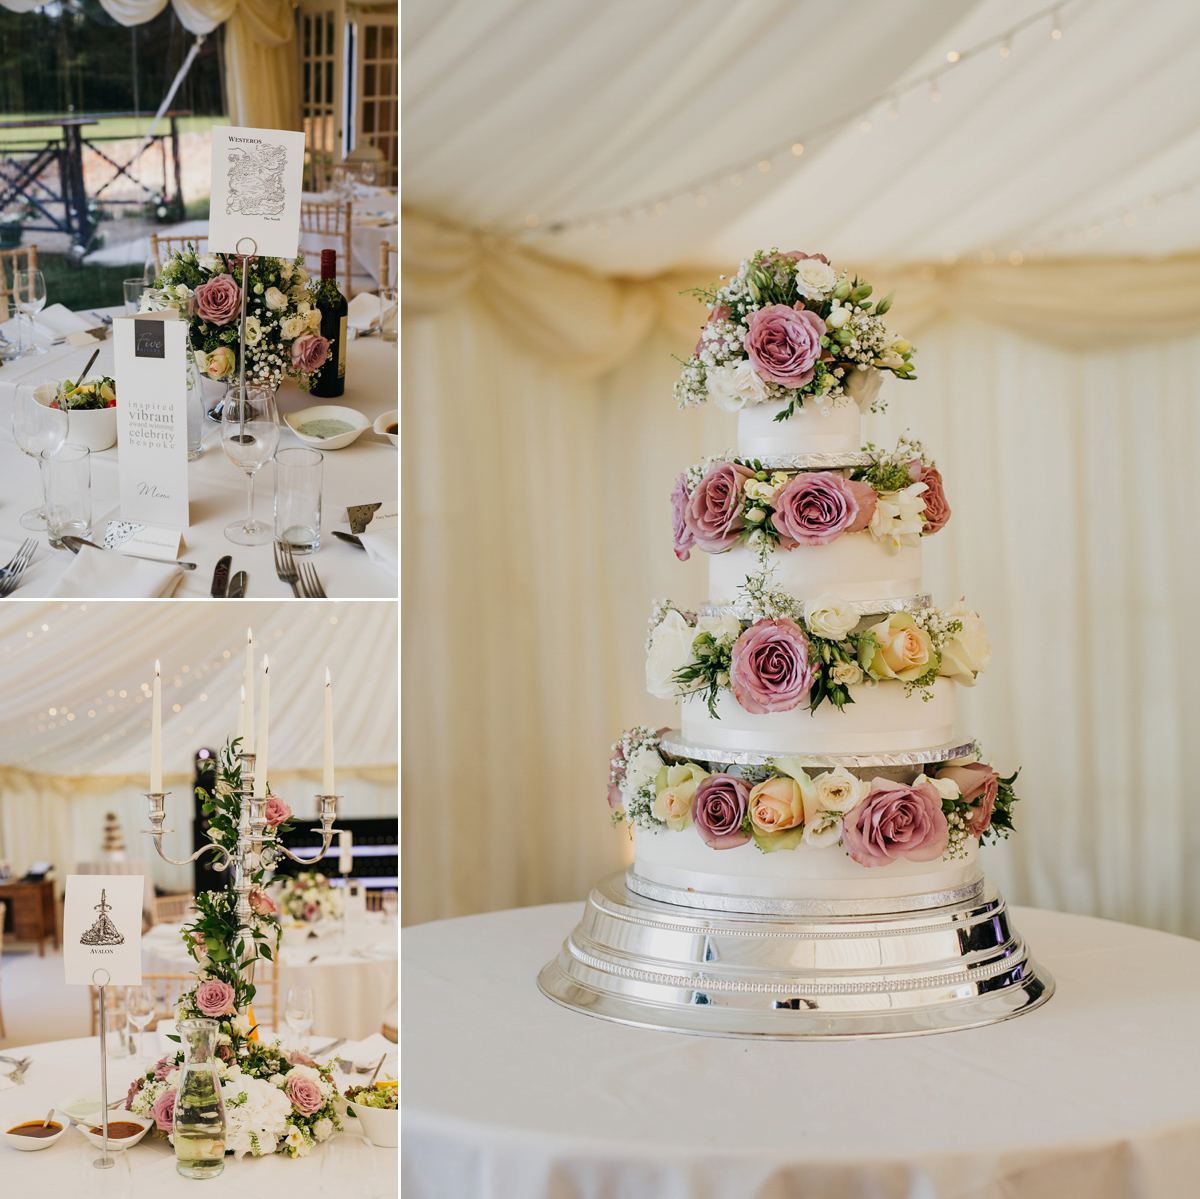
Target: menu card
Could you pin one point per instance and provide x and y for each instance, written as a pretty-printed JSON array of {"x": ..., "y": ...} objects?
[
  {"x": 257, "y": 177},
  {"x": 102, "y": 928},
  {"x": 150, "y": 354}
]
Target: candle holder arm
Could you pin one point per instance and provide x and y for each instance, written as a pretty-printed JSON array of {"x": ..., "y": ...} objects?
[{"x": 158, "y": 815}]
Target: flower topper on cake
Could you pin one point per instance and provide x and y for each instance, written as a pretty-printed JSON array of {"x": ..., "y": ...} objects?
[{"x": 787, "y": 328}]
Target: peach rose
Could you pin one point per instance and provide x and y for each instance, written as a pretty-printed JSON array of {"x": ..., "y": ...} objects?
[
  {"x": 673, "y": 803},
  {"x": 776, "y": 805},
  {"x": 902, "y": 649},
  {"x": 220, "y": 363}
]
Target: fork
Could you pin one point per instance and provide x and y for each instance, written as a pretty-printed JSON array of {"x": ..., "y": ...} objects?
[
  {"x": 11, "y": 574},
  {"x": 310, "y": 582},
  {"x": 285, "y": 568}
]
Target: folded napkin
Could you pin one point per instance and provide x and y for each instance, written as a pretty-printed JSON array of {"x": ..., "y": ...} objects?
[
  {"x": 363, "y": 311},
  {"x": 96, "y": 575},
  {"x": 383, "y": 548},
  {"x": 54, "y": 322}
]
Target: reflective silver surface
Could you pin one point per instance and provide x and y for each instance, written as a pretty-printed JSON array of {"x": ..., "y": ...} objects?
[
  {"x": 641, "y": 961},
  {"x": 674, "y": 744},
  {"x": 815, "y": 461}
]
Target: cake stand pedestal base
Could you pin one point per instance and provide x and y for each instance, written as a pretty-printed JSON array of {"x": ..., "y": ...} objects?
[{"x": 723, "y": 973}]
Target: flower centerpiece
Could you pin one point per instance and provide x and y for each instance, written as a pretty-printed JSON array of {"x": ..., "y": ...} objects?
[
  {"x": 309, "y": 897},
  {"x": 282, "y": 322}
]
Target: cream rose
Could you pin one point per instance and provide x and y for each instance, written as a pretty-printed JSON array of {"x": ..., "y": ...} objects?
[
  {"x": 846, "y": 673},
  {"x": 902, "y": 649},
  {"x": 673, "y": 802},
  {"x": 274, "y": 299},
  {"x": 733, "y": 386},
  {"x": 209, "y": 262},
  {"x": 830, "y": 616},
  {"x": 899, "y": 517},
  {"x": 717, "y": 627},
  {"x": 946, "y": 788},
  {"x": 814, "y": 278},
  {"x": 292, "y": 326},
  {"x": 670, "y": 650},
  {"x": 641, "y": 770},
  {"x": 839, "y": 790},
  {"x": 967, "y": 653},
  {"x": 253, "y": 331},
  {"x": 313, "y": 317},
  {"x": 824, "y": 829},
  {"x": 777, "y": 805}
]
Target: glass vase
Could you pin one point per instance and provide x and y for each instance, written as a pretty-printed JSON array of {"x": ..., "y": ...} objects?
[
  {"x": 195, "y": 410},
  {"x": 199, "y": 1123}
]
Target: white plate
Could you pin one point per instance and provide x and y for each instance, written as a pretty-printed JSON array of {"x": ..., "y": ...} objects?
[{"x": 328, "y": 412}]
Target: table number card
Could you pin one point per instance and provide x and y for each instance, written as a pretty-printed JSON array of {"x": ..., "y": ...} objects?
[
  {"x": 257, "y": 177},
  {"x": 150, "y": 354},
  {"x": 102, "y": 927}
]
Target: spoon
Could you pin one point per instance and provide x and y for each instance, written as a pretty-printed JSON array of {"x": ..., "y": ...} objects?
[
  {"x": 46, "y": 1121},
  {"x": 95, "y": 355}
]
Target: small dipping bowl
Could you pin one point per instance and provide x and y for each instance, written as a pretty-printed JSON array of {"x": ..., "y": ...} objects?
[
  {"x": 351, "y": 416},
  {"x": 31, "y": 1144},
  {"x": 116, "y": 1118},
  {"x": 81, "y": 1108},
  {"x": 385, "y": 422}
]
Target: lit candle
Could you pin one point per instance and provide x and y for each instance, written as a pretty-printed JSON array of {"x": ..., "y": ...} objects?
[
  {"x": 345, "y": 852},
  {"x": 260, "y": 764},
  {"x": 242, "y": 715},
  {"x": 248, "y": 743},
  {"x": 327, "y": 788},
  {"x": 156, "y": 736}
]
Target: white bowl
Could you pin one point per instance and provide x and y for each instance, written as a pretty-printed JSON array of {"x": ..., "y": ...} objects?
[
  {"x": 97, "y": 1139},
  {"x": 33, "y": 1144},
  {"x": 87, "y": 1104},
  {"x": 328, "y": 412},
  {"x": 95, "y": 428},
  {"x": 381, "y": 1125},
  {"x": 388, "y": 418}
]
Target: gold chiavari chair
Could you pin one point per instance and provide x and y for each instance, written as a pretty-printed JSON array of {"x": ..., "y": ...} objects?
[
  {"x": 23, "y": 258},
  {"x": 388, "y": 259},
  {"x": 170, "y": 909},
  {"x": 163, "y": 246},
  {"x": 331, "y": 222}
]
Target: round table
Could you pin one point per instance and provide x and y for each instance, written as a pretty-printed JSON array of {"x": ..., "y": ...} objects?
[
  {"x": 344, "y": 1165},
  {"x": 506, "y": 1093},
  {"x": 353, "y": 976}
]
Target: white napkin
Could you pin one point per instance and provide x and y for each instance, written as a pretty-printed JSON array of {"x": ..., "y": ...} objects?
[
  {"x": 363, "y": 311},
  {"x": 383, "y": 548},
  {"x": 101, "y": 575},
  {"x": 58, "y": 321}
]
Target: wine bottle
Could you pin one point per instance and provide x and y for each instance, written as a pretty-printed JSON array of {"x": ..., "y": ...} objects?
[{"x": 330, "y": 379}]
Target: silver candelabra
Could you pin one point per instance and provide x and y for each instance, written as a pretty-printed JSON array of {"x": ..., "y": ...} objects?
[{"x": 251, "y": 855}]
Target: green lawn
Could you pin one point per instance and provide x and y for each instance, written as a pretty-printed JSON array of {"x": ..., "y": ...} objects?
[
  {"x": 125, "y": 127},
  {"x": 84, "y": 287}
]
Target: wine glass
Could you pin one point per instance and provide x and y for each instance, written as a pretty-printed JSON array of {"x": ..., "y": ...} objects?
[
  {"x": 139, "y": 1004},
  {"x": 36, "y": 428},
  {"x": 29, "y": 291},
  {"x": 299, "y": 1012},
  {"x": 250, "y": 433}
]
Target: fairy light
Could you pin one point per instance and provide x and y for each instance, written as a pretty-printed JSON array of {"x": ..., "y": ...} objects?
[
  {"x": 1056, "y": 32},
  {"x": 797, "y": 148},
  {"x": 934, "y": 94},
  {"x": 865, "y": 127},
  {"x": 952, "y": 56}
]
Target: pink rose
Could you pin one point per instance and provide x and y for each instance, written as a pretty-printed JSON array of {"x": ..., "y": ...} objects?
[
  {"x": 937, "y": 511},
  {"x": 815, "y": 508},
  {"x": 296, "y": 1058},
  {"x": 215, "y": 998},
  {"x": 305, "y": 1095},
  {"x": 220, "y": 362},
  {"x": 163, "y": 1111},
  {"x": 309, "y": 352},
  {"x": 784, "y": 343},
  {"x": 896, "y": 821},
  {"x": 718, "y": 809},
  {"x": 134, "y": 1088},
  {"x": 276, "y": 811},
  {"x": 163, "y": 1067},
  {"x": 614, "y": 796},
  {"x": 978, "y": 784},
  {"x": 311, "y": 911},
  {"x": 260, "y": 902},
  {"x": 218, "y": 301},
  {"x": 684, "y": 538},
  {"x": 713, "y": 514},
  {"x": 770, "y": 671}
]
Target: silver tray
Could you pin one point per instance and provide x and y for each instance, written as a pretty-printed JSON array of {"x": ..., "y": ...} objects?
[
  {"x": 812, "y": 461},
  {"x": 674, "y": 744},
  {"x": 875, "y": 607},
  {"x": 644, "y": 962}
]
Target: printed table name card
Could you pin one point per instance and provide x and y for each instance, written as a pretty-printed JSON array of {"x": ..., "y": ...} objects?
[
  {"x": 257, "y": 177},
  {"x": 150, "y": 354},
  {"x": 102, "y": 927}
]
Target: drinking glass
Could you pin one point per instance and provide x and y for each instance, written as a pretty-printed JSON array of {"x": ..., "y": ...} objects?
[
  {"x": 116, "y": 1029},
  {"x": 387, "y": 313},
  {"x": 139, "y": 1003},
  {"x": 391, "y": 905},
  {"x": 67, "y": 474},
  {"x": 29, "y": 291},
  {"x": 298, "y": 498},
  {"x": 36, "y": 428},
  {"x": 133, "y": 294},
  {"x": 299, "y": 1012},
  {"x": 195, "y": 410},
  {"x": 250, "y": 435}
]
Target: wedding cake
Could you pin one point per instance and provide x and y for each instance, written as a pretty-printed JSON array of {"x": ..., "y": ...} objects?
[{"x": 812, "y": 826}]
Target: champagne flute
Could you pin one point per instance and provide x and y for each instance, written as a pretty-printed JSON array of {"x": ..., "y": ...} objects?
[
  {"x": 139, "y": 1004},
  {"x": 299, "y": 1012},
  {"x": 36, "y": 428},
  {"x": 250, "y": 443},
  {"x": 29, "y": 290}
]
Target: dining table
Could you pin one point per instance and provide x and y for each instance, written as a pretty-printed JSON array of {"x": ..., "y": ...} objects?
[
  {"x": 346, "y": 1164},
  {"x": 363, "y": 473},
  {"x": 374, "y": 220}
]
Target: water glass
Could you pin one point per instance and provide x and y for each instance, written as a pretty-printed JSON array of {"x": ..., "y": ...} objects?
[
  {"x": 299, "y": 1012},
  {"x": 67, "y": 474},
  {"x": 298, "y": 498},
  {"x": 133, "y": 294},
  {"x": 139, "y": 1003},
  {"x": 36, "y": 427},
  {"x": 388, "y": 309},
  {"x": 29, "y": 291},
  {"x": 195, "y": 411},
  {"x": 116, "y": 1029}
]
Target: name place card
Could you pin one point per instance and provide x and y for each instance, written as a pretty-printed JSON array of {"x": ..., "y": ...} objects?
[{"x": 102, "y": 928}]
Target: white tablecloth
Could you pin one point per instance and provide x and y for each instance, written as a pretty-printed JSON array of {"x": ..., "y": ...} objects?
[
  {"x": 507, "y": 1094},
  {"x": 365, "y": 239},
  {"x": 353, "y": 979},
  {"x": 362, "y": 473},
  {"x": 61, "y": 1069}
]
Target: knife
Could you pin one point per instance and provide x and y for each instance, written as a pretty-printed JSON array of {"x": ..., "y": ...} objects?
[
  {"x": 73, "y": 544},
  {"x": 220, "y": 578},
  {"x": 237, "y": 586},
  {"x": 328, "y": 1048},
  {"x": 348, "y": 537}
]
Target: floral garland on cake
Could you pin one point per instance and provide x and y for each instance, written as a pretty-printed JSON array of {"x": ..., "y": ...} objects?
[
  {"x": 779, "y": 805},
  {"x": 789, "y": 327},
  {"x": 724, "y": 501}
]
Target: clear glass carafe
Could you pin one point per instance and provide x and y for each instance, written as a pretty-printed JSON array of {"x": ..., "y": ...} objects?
[{"x": 199, "y": 1110}]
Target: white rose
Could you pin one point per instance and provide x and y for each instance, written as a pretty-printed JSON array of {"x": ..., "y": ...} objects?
[
  {"x": 830, "y": 616},
  {"x": 837, "y": 318},
  {"x": 946, "y": 788},
  {"x": 814, "y": 277},
  {"x": 309, "y": 1072},
  {"x": 899, "y": 517},
  {"x": 862, "y": 385},
  {"x": 840, "y": 791},
  {"x": 967, "y": 653},
  {"x": 313, "y": 318},
  {"x": 323, "y": 1129},
  {"x": 733, "y": 386},
  {"x": 209, "y": 262},
  {"x": 670, "y": 650},
  {"x": 846, "y": 673},
  {"x": 641, "y": 770},
  {"x": 824, "y": 829},
  {"x": 274, "y": 299},
  {"x": 253, "y": 331},
  {"x": 718, "y": 627},
  {"x": 292, "y": 326},
  {"x": 303, "y": 307},
  {"x": 241, "y": 1024},
  {"x": 302, "y": 276}
]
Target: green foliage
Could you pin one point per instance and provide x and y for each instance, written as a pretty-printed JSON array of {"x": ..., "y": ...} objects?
[
  {"x": 710, "y": 670},
  {"x": 1002, "y": 814}
]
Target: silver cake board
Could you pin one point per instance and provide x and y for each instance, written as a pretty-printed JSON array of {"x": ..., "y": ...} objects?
[{"x": 804, "y": 974}]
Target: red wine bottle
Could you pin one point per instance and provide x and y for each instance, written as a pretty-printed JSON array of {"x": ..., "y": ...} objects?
[{"x": 330, "y": 379}]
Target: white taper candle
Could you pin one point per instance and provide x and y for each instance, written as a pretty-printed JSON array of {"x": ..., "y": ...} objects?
[
  {"x": 242, "y": 715},
  {"x": 156, "y": 735},
  {"x": 327, "y": 786},
  {"x": 248, "y": 736},
  {"x": 260, "y": 763},
  {"x": 345, "y": 851}
]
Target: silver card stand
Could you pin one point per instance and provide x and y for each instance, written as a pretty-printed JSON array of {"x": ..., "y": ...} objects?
[{"x": 795, "y": 970}]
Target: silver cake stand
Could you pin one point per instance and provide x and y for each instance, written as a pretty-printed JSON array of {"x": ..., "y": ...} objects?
[{"x": 796, "y": 970}]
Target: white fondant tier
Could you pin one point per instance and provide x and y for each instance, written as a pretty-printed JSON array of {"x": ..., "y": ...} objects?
[
  {"x": 882, "y": 719},
  {"x": 855, "y": 566},
  {"x": 683, "y": 860},
  {"x": 806, "y": 431}
]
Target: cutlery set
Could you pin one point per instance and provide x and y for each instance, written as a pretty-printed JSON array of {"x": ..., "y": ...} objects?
[
  {"x": 10, "y": 575},
  {"x": 225, "y": 585},
  {"x": 300, "y": 577},
  {"x": 19, "y": 1066}
]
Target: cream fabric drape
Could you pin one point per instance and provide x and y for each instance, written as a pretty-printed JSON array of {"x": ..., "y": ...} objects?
[{"x": 540, "y": 445}]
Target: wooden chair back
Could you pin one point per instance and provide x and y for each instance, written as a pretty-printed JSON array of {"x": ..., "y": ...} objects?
[
  {"x": 170, "y": 909},
  {"x": 22, "y": 258},
  {"x": 388, "y": 259},
  {"x": 162, "y": 247},
  {"x": 331, "y": 221},
  {"x": 266, "y": 994}
]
